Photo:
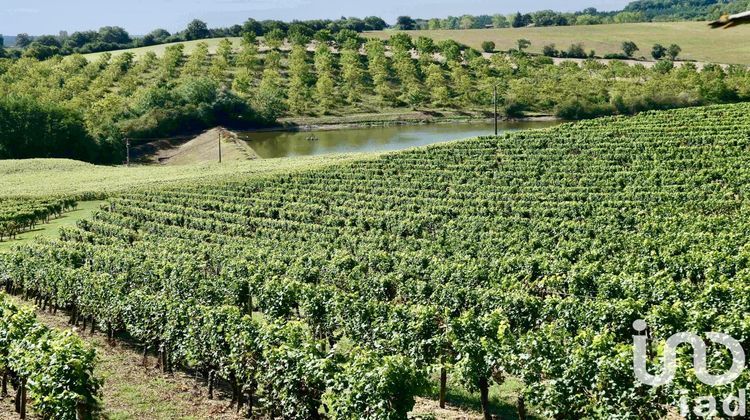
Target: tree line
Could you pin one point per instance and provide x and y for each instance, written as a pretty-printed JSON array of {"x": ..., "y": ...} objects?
[
  {"x": 634, "y": 12},
  {"x": 111, "y": 38}
]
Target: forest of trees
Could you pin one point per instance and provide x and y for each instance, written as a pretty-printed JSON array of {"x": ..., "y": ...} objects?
[{"x": 72, "y": 107}]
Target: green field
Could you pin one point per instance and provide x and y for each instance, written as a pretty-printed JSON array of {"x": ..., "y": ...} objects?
[
  {"x": 51, "y": 230},
  {"x": 56, "y": 177},
  {"x": 698, "y": 42}
]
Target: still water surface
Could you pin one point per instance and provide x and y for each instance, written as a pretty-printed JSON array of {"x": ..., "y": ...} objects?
[{"x": 372, "y": 139}]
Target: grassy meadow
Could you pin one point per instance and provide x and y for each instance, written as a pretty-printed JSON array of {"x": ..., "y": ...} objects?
[
  {"x": 52, "y": 177},
  {"x": 51, "y": 230},
  {"x": 698, "y": 41}
]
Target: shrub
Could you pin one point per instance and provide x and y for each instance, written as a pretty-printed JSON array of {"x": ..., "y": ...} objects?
[
  {"x": 658, "y": 51},
  {"x": 673, "y": 51},
  {"x": 629, "y": 48},
  {"x": 664, "y": 66},
  {"x": 616, "y": 56},
  {"x": 488, "y": 46},
  {"x": 576, "y": 51},
  {"x": 577, "y": 109},
  {"x": 549, "y": 50}
]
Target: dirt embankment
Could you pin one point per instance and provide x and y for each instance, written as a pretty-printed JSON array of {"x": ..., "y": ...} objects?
[{"x": 210, "y": 146}]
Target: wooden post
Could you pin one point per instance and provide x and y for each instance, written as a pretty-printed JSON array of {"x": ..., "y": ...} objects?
[
  {"x": 127, "y": 157},
  {"x": 484, "y": 391},
  {"x": 220, "y": 135},
  {"x": 82, "y": 410},
  {"x": 22, "y": 412},
  {"x": 443, "y": 383}
]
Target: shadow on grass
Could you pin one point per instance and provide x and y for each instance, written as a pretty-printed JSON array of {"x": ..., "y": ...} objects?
[{"x": 503, "y": 399}]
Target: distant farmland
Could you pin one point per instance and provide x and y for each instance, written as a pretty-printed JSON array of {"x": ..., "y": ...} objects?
[{"x": 698, "y": 42}]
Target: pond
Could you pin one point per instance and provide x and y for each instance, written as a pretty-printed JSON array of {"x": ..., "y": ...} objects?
[{"x": 273, "y": 144}]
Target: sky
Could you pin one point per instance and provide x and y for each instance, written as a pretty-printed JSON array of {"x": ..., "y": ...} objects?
[{"x": 139, "y": 17}]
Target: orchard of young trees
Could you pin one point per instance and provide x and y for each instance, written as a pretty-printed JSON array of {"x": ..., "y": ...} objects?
[{"x": 84, "y": 109}]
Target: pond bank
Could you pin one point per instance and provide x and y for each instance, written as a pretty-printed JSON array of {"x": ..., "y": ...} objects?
[
  {"x": 276, "y": 144},
  {"x": 395, "y": 118}
]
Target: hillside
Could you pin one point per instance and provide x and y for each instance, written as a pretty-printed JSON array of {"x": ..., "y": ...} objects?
[
  {"x": 685, "y": 9},
  {"x": 61, "y": 177},
  {"x": 525, "y": 256},
  {"x": 212, "y": 43},
  {"x": 698, "y": 42}
]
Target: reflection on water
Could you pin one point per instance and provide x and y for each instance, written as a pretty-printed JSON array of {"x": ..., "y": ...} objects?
[{"x": 283, "y": 144}]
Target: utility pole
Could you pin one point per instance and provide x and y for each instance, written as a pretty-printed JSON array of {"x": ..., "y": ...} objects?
[
  {"x": 127, "y": 147},
  {"x": 494, "y": 101},
  {"x": 220, "y": 134}
]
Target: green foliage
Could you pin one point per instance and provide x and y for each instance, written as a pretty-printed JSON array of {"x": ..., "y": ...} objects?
[
  {"x": 341, "y": 287},
  {"x": 488, "y": 46},
  {"x": 425, "y": 45},
  {"x": 196, "y": 29},
  {"x": 293, "y": 372},
  {"x": 325, "y": 86},
  {"x": 352, "y": 75},
  {"x": 523, "y": 44},
  {"x": 57, "y": 368},
  {"x": 658, "y": 51},
  {"x": 379, "y": 68},
  {"x": 226, "y": 51},
  {"x": 300, "y": 78},
  {"x": 450, "y": 49},
  {"x": 269, "y": 101},
  {"x": 19, "y": 214},
  {"x": 436, "y": 82},
  {"x": 275, "y": 38},
  {"x": 576, "y": 51},
  {"x": 629, "y": 48},
  {"x": 673, "y": 51},
  {"x": 549, "y": 50},
  {"x": 30, "y": 128},
  {"x": 372, "y": 387}
]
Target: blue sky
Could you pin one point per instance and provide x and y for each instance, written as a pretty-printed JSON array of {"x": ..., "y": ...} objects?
[{"x": 141, "y": 16}]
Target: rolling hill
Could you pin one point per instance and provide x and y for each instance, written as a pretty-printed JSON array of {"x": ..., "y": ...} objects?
[{"x": 698, "y": 42}]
